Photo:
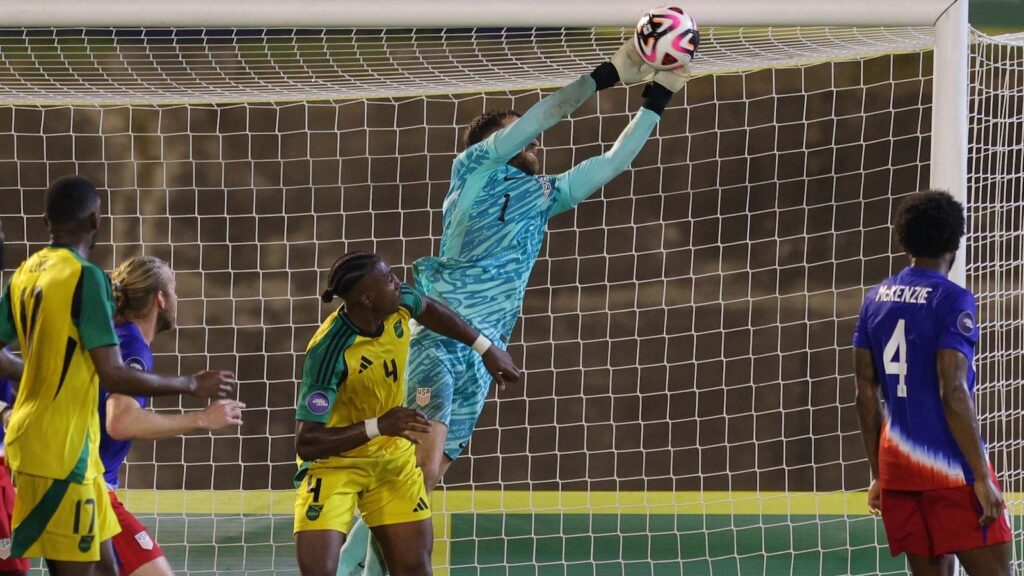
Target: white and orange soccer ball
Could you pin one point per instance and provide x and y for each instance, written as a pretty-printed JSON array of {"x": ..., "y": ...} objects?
[{"x": 666, "y": 38}]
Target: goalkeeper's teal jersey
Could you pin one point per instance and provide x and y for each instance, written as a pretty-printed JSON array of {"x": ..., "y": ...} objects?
[{"x": 495, "y": 216}]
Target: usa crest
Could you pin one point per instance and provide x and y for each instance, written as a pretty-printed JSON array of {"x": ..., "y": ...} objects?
[
  {"x": 422, "y": 396},
  {"x": 145, "y": 542}
]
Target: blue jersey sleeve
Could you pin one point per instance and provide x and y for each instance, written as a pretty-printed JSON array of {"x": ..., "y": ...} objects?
[
  {"x": 957, "y": 324},
  {"x": 582, "y": 180},
  {"x": 135, "y": 353},
  {"x": 862, "y": 334},
  {"x": 502, "y": 145}
]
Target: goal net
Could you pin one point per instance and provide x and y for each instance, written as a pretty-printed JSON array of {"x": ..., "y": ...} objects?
[{"x": 687, "y": 402}]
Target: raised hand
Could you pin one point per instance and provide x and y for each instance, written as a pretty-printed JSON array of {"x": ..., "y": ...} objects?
[
  {"x": 630, "y": 65},
  {"x": 675, "y": 79},
  {"x": 214, "y": 384},
  {"x": 400, "y": 422}
]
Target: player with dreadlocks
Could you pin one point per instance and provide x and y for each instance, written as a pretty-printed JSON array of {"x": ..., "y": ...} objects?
[{"x": 353, "y": 437}]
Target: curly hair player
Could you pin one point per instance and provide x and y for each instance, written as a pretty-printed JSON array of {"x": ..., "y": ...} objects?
[{"x": 913, "y": 355}]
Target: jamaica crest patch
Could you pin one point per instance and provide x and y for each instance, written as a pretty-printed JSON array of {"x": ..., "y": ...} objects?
[
  {"x": 399, "y": 329},
  {"x": 313, "y": 512}
]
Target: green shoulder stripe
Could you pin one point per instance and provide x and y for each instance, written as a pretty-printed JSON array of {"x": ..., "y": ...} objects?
[
  {"x": 93, "y": 308},
  {"x": 341, "y": 337},
  {"x": 322, "y": 373},
  {"x": 411, "y": 299}
]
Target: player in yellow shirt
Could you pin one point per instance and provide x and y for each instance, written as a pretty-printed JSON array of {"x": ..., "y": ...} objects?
[
  {"x": 59, "y": 308},
  {"x": 353, "y": 437}
]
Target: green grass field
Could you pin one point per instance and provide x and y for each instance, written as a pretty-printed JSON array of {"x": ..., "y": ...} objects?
[{"x": 550, "y": 533}]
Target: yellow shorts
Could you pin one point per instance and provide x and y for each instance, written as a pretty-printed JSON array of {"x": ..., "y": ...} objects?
[
  {"x": 387, "y": 491},
  {"x": 61, "y": 520}
]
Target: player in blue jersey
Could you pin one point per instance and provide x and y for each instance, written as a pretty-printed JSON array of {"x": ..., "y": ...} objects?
[
  {"x": 914, "y": 352},
  {"x": 145, "y": 305},
  {"x": 495, "y": 218}
]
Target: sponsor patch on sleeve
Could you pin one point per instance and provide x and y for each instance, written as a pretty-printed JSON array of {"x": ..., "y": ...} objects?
[
  {"x": 135, "y": 363},
  {"x": 965, "y": 322},
  {"x": 318, "y": 403}
]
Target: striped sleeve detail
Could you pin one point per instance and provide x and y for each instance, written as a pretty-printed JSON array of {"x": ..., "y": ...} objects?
[
  {"x": 411, "y": 299},
  {"x": 323, "y": 371}
]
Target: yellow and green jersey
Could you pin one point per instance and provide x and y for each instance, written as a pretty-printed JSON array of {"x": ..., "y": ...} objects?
[
  {"x": 57, "y": 306},
  {"x": 349, "y": 376}
]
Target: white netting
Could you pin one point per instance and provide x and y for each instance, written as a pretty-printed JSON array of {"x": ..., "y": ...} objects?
[
  {"x": 995, "y": 247},
  {"x": 688, "y": 401},
  {"x": 145, "y": 66}
]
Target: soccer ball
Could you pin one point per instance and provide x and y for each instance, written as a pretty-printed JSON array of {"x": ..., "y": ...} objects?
[{"x": 666, "y": 38}]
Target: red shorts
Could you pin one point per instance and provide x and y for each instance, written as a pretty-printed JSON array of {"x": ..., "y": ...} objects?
[
  {"x": 134, "y": 546},
  {"x": 8, "y": 564},
  {"x": 939, "y": 522}
]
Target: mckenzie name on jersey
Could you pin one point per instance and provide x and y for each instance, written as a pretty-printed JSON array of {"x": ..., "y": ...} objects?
[{"x": 904, "y": 322}]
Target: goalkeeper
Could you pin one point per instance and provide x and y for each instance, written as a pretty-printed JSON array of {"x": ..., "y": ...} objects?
[{"x": 495, "y": 216}]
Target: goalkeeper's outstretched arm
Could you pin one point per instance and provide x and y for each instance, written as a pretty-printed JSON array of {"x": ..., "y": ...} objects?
[
  {"x": 626, "y": 66},
  {"x": 585, "y": 178}
]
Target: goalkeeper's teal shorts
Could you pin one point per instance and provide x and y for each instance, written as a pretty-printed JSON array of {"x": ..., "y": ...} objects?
[{"x": 448, "y": 382}]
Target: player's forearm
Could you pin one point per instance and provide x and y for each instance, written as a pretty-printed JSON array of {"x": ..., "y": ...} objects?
[
  {"x": 869, "y": 413},
  {"x": 869, "y": 404},
  {"x": 592, "y": 174},
  {"x": 958, "y": 407},
  {"x": 315, "y": 441},
  {"x": 963, "y": 423},
  {"x": 144, "y": 424},
  {"x": 124, "y": 380},
  {"x": 441, "y": 319},
  {"x": 543, "y": 115}
]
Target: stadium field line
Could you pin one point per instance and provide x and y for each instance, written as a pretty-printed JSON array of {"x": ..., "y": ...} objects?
[{"x": 280, "y": 502}]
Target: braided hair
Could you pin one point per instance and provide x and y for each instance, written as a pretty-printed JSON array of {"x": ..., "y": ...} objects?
[{"x": 346, "y": 272}]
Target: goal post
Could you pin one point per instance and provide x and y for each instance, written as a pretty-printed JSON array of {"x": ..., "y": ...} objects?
[
  {"x": 685, "y": 338},
  {"x": 454, "y": 13}
]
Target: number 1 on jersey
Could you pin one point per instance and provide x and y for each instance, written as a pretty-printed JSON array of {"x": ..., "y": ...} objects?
[{"x": 897, "y": 345}]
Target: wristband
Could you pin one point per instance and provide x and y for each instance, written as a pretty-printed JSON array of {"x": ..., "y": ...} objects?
[
  {"x": 605, "y": 75},
  {"x": 481, "y": 344},
  {"x": 656, "y": 97},
  {"x": 372, "y": 431}
]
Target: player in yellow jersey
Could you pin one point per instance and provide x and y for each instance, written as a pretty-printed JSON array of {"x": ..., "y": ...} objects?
[
  {"x": 59, "y": 308},
  {"x": 353, "y": 437}
]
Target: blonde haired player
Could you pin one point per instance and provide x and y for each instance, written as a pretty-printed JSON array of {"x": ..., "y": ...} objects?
[
  {"x": 145, "y": 305},
  {"x": 352, "y": 435},
  {"x": 58, "y": 307}
]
